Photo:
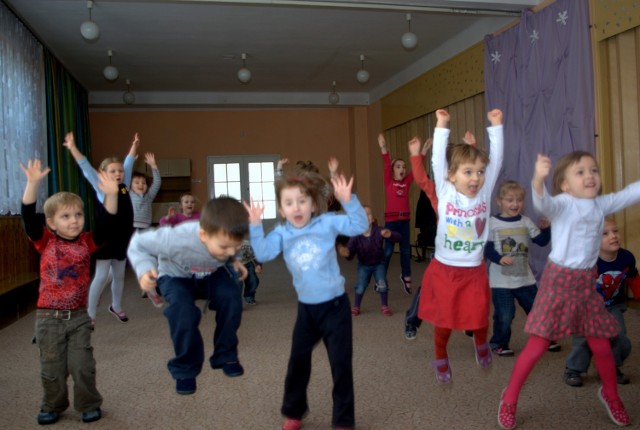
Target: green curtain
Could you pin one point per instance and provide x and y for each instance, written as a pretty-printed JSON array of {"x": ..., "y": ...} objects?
[{"x": 67, "y": 110}]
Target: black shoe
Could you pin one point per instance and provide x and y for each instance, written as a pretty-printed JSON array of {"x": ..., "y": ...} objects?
[
  {"x": 410, "y": 332},
  {"x": 186, "y": 386},
  {"x": 45, "y": 418},
  {"x": 572, "y": 378},
  {"x": 406, "y": 284},
  {"x": 91, "y": 416},
  {"x": 503, "y": 351},
  {"x": 233, "y": 369},
  {"x": 621, "y": 378},
  {"x": 250, "y": 300},
  {"x": 554, "y": 347}
]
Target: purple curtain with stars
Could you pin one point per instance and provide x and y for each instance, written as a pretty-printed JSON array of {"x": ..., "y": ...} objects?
[{"x": 539, "y": 73}]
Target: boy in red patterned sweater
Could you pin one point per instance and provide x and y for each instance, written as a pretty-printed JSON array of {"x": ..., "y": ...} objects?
[{"x": 63, "y": 327}]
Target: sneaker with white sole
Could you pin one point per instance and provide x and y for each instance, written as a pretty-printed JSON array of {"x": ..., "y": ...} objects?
[
  {"x": 503, "y": 351},
  {"x": 615, "y": 409},
  {"x": 122, "y": 317}
]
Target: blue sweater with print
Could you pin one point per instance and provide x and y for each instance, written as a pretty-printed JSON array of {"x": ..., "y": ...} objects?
[{"x": 310, "y": 252}]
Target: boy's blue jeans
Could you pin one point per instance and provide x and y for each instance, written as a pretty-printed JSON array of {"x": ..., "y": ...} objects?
[
  {"x": 222, "y": 291},
  {"x": 379, "y": 273},
  {"x": 504, "y": 310},
  {"x": 580, "y": 355}
]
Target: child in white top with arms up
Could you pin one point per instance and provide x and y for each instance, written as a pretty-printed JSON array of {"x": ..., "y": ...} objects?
[{"x": 567, "y": 302}]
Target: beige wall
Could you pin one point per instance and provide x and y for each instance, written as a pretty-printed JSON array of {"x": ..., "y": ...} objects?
[{"x": 298, "y": 134}]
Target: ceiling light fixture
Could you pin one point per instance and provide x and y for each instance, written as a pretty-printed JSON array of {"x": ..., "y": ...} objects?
[
  {"x": 334, "y": 97},
  {"x": 244, "y": 74},
  {"x": 128, "y": 97},
  {"x": 409, "y": 40},
  {"x": 362, "y": 76},
  {"x": 110, "y": 72},
  {"x": 89, "y": 29}
]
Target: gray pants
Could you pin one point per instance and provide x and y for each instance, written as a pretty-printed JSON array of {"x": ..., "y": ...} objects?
[
  {"x": 580, "y": 355},
  {"x": 65, "y": 349}
]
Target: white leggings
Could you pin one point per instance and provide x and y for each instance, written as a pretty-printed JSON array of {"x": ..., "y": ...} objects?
[{"x": 100, "y": 279}]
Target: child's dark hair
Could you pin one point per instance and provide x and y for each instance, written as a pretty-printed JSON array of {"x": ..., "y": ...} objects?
[
  {"x": 560, "y": 169},
  {"x": 310, "y": 183},
  {"x": 458, "y": 153},
  {"x": 61, "y": 200},
  {"x": 225, "y": 215},
  {"x": 139, "y": 175},
  {"x": 307, "y": 166},
  {"x": 510, "y": 186}
]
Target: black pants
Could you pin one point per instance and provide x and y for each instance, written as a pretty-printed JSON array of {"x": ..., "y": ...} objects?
[{"x": 330, "y": 322}]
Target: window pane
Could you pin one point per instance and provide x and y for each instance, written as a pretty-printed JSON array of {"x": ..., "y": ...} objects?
[
  {"x": 233, "y": 172},
  {"x": 220, "y": 189},
  {"x": 220, "y": 173},
  {"x": 234, "y": 190},
  {"x": 268, "y": 191},
  {"x": 255, "y": 192},
  {"x": 267, "y": 172},
  {"x": 269, "y": 210},
  {"x": 254, "y": 172}
]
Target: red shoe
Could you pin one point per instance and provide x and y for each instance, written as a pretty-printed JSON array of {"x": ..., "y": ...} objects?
[
  {"x": 386, "y": 311},
  {"x": 291, "y": 424},
  {"x": 355, "y": 311},
  {"x": 615, "y": 409},
  {"x": 507, "y": 414}
]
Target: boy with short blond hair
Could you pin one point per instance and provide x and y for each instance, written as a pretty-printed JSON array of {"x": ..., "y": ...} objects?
[{"x": 63, "y": 327}]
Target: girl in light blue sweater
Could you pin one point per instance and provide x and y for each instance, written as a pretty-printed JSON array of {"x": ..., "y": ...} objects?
[{"x": 307, "y": 241}]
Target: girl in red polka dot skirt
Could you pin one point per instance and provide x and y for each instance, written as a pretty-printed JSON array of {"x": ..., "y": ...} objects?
[{"x": 567, "y": 302}]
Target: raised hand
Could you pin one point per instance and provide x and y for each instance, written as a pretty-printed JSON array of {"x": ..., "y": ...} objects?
[
  {"x": 150, "y": 159},
  {"x": 133, "y": 151},
  {"x": 255, "y": 211},
  {"x": 333, "y": 166},
  {"x": 342, "y": 188},
  {"x": 107, "y": 185},
  {"x": 382, "y": 143},
  {"x": 495, "y": 117},
  {"x": 541, "y": 171},
  {"x": 414, "y": 146},
  {"x": 281, "y": 162},
  {"x": 34, "y": 171},
  {"x": 69, "y": 141},
  {"x": 443, "y": 118},
  {"x": 469, "y": 139},
  {"x": 427, "y": 145}
]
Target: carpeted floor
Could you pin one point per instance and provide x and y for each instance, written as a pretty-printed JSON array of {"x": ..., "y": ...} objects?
[{"x": 395, "y": 386}]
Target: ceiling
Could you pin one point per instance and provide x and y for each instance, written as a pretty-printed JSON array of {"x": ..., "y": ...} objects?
[{"x": 188, "y": 52}]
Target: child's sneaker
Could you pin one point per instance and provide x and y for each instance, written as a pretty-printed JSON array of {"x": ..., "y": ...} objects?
[
  {"x": 355, "y": 311},
  {"x": 122, "y": 317},
  {"x": 506, "y": 414},
  {"x": 386, "y": 311},
  {"x": 615, "y": 409},
  {"x": 554, "y": 347},
  {"x": 155, "y": 298},
  {"x": 250, "y": 300},
  {"x": 406, "y": 284},
  {"x": 291, "y": 424},
  {"x": 410, "y": 332},
  {"x": 503, "y": 351}
]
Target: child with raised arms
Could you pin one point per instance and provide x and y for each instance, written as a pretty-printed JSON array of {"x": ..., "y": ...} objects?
[
  {"x": 307, "y": 241},
  {"x": 567, "y": 302},
  {"x": 455, "y": 288}
]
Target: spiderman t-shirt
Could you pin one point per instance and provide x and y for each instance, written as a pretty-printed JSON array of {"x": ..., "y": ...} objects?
[
  {"x": 613, "y": 275},
  {"x": 64, "y": 264}
]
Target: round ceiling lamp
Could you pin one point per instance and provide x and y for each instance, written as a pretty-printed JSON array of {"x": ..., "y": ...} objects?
[
  {"x": 334, "y": 97},
  {"x": 362, "y": 76},
  {"x": 89, "y": 29},
  {"x": 110, "y": 73},
  {"x": 409, "y": 40},
  {"x": 244, "y": 74},
  {"x": 128, "y": 97}
]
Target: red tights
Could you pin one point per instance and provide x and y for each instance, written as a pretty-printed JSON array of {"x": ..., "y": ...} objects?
[
  {"x": 536, "y": 347},
  {"x": 442, "y": 335}
]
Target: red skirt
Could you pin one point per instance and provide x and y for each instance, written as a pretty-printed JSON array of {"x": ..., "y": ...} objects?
[
  {"x": 455, "y": 297},
  {"x": 567, "y": 303}
]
